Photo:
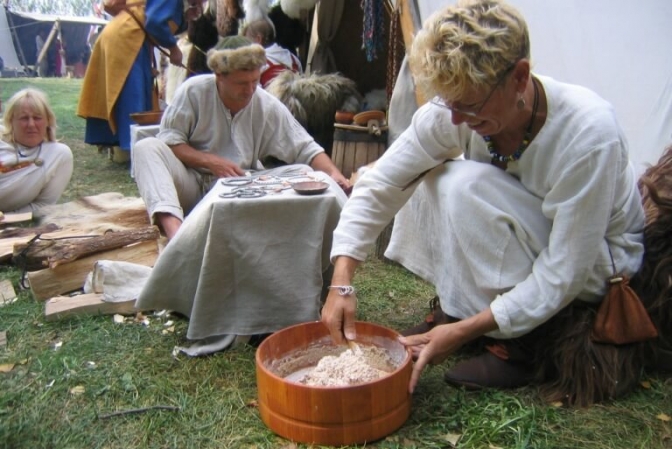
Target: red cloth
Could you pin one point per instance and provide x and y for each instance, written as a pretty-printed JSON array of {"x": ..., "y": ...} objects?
[{"x": 274, "y": 70}]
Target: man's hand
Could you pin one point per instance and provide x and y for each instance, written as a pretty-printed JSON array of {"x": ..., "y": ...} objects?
[
  {"x": 175, "y": 56},
  {"x": 224, "y": 168},
  {"x": 340, "y": 179}
]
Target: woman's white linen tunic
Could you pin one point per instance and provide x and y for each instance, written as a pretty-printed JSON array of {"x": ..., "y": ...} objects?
[{"x": 576, "y": 169}]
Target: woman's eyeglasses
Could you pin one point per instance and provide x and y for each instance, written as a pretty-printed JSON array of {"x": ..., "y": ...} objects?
[{"x": 473, "y": 111}]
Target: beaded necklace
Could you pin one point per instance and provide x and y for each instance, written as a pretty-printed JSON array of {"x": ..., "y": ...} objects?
[
  {"x": 36, "y": 160},
  {"x": 498, "y": 159}
]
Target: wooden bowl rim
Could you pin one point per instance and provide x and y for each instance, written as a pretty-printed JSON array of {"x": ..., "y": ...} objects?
[
  {"x": 260, "y": 364},
  {"x": 363, "y": 118}
]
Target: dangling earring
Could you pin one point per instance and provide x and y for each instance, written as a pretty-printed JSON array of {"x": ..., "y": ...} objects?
[{"x": 520, "y": 104}]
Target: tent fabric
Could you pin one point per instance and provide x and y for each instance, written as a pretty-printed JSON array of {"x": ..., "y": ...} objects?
[
  {"x": 617, "y": 48},
  {"x": 74, "y": 30},
  {"x": 7, "y": 51},
  {"x": 328, "y": 19}
]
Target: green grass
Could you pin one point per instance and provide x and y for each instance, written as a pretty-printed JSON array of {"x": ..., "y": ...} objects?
[{"x": 128, "y": 366}]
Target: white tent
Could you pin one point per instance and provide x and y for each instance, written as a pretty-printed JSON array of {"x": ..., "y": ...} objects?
[
  {"x": 618, "y": 48},
  {"x": 7, "y": 50},
  {"x": 18, "y": 31}
]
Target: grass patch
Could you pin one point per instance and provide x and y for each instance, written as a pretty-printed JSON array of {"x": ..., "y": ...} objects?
[{"x": 129, "y": 366}]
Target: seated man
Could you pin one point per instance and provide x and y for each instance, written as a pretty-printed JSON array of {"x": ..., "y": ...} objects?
[
  {"x": 219, "y": 125},
  {"x": 278, "y": 59}
]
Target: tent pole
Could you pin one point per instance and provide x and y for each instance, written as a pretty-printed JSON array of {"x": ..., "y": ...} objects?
[
  {"x": 47, "y": 43},
  {"x": 15, "y": 37}
]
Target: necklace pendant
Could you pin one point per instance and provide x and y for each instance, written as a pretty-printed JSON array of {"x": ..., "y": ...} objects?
[{"x": 39, "y": 162}]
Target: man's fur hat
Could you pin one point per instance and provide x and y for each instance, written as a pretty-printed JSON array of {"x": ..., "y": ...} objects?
[{"x": 236, "y": 53}]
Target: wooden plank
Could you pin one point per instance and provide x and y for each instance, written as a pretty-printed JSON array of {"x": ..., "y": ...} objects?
[
  {"x": 85, "y": 305},
  {"x": 7, "y": 292},
  {"x": 16, "y": 218},
  {"x": 70, "y": 277}
]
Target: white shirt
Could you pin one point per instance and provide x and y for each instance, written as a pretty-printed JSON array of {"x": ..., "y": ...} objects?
[
  {"x": 577, "y": 164},
  {"x": 264, "y": 127}
]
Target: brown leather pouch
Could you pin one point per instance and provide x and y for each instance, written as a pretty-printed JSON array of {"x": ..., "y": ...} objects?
[{"x": 622, "y": 318}]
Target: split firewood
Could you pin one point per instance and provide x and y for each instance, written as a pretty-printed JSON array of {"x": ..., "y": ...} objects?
[
  {"x": 16, "y": 218},
  {"x": 7, "y": 293},
  {"x": 86, "y": 304},
  {"x": 69, "y": 277},
  {"x": 54, "y": 252}
]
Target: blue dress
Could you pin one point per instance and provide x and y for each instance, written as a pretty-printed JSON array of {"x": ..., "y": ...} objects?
[{"x": 136, "y": 94}]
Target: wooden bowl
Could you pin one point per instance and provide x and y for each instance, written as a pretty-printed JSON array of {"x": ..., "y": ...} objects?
[
  {"x": 147, "y": 117},
  {"x": 344, "y": 117},
  {"x": 362, "y": 119},
  {"x": 335, "y": 416},
  {"x": 310, "y": 187}
]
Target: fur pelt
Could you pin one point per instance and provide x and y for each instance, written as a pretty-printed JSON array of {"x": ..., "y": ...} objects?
[
  {"x": 203, "y": 35},
  {"x": 289, "y": 32},
  {"x": 256, "y": 10},
  {"x": 293, "y": 8},
  {"x": 174, "y": 75},
  {"x": 314, "y": 99},
  {"x": 573, "y": 368},
  {"x": 653, "y": 282},
  {"x": 229, "y": 13},
  {"x": 247, "y": 57}
]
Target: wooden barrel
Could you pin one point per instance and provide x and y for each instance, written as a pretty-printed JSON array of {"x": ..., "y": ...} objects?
[{"x": 354, "y": 148}]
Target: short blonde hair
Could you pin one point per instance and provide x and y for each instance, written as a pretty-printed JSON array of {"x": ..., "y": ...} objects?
[
  {"x": 37, "y": 101},
  {"x": 466, "y": 46}
]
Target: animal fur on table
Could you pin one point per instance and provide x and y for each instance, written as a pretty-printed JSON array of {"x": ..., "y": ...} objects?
[
  {"x": 314, "y": 99},
  {"x": 91, "y": 215}
]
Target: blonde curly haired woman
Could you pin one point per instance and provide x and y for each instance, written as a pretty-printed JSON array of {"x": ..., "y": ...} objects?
[
  {"x": 35, "y": 169},
  {"x": 523, "y": 231}
]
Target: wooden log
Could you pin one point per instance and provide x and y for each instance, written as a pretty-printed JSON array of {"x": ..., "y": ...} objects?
[
  {"x": 85, "y": 305},
  {"x": 66, "y": 278},
  {"x": 52, "y": 253},
  {"x": 7, "y": 293}
]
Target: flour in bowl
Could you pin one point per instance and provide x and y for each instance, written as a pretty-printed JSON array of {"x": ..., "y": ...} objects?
[{"x": 350, "y": 368}]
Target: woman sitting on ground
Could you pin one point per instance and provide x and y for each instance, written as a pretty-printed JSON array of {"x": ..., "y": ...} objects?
[{"x": 34, "y": 168}]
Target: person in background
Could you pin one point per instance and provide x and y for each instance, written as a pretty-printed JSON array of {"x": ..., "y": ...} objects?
[
  {"x": 523, "y": 234},
  {"x": 60, "y": 64},
  {"x": 278, "y": 59},
  {"x": 35, "y": 169},
  {"x": 119, "y": 78},
  {"x": 219, "y": 125}
]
